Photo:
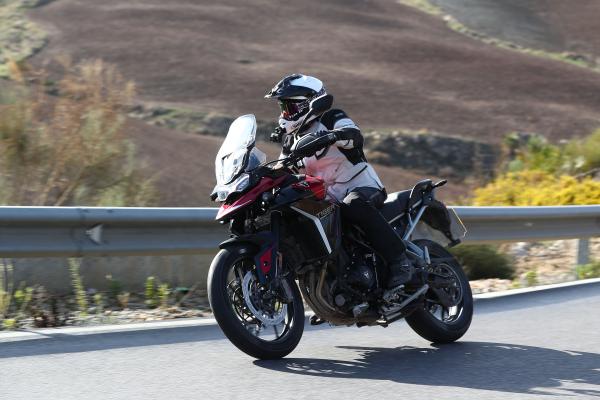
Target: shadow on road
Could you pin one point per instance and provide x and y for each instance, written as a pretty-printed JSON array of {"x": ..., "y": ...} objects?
[
  {"x": 62, "y": 341},
  {"x": 476, "y": 365}
]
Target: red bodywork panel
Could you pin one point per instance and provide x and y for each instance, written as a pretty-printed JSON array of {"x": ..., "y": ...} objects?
[
  {"x": 314, "y": 184},
  {"x": 265, "y": 184},
  {"x": 265, "y": 261}
]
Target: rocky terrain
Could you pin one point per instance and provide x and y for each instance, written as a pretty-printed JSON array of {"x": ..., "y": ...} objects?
[
  {"x": 420, "y": 151},
  {"x": 539, "y": 263}
]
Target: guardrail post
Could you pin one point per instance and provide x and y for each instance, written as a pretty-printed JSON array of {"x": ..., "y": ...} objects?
[{"x": 583, "y": 251}]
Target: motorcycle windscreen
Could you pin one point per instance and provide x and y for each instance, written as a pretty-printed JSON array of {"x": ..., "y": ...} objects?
[
  {"x": 233, "y": 155},
  {"x": 440, "y": 225}
]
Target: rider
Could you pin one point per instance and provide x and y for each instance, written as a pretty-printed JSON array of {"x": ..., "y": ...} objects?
[{"x": 350, "y": 180}]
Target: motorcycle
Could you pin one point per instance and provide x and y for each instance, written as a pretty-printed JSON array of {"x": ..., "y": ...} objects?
[{"x": 288, "y": 244}]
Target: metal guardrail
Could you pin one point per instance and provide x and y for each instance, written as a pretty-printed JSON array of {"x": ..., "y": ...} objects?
[
  {"x": 527, "y": 224},
  {"x": 93, "y": 231}
]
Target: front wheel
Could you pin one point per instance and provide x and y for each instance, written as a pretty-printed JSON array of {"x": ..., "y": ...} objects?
[
  {"x": 251, "y": 317},
  {"x": 435, "y": 322}
]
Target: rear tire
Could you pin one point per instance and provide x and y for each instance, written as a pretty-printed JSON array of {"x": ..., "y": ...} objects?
[
  {"x": 423, "y": 321},
  {"x": 230, "y": 322}
]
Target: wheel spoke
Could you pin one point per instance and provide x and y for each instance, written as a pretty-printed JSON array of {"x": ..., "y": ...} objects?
[
  {"x": 454, "y": 291},
  {"x": 256, "y": 308}
]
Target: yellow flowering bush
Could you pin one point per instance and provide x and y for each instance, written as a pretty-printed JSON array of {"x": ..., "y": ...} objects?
[{"x": 537, "y": 188}]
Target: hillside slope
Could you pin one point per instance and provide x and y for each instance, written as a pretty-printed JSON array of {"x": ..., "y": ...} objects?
[
  {"x": 558, "y": 26},
  {"x": 389, "y": 65}
]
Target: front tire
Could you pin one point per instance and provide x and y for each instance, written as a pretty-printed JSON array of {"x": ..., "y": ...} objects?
[
  {"x": 450, "y": 325},
  {"x": 234, "y": 316}
]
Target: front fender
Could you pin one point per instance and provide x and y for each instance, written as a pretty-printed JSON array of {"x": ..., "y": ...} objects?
[{"x": 255, "y": 240}]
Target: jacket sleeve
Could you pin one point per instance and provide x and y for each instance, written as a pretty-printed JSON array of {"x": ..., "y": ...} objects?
[{"x": 349, "y": 134}]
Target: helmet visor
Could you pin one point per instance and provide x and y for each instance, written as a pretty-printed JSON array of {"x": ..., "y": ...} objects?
[{"x": 291, "y": 109}]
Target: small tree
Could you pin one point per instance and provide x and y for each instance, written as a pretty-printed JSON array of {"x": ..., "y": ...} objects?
[{"x": 70, "y": 149}]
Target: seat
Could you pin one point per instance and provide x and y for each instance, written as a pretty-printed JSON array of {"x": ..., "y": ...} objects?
[{"x": 395, "y": 205}]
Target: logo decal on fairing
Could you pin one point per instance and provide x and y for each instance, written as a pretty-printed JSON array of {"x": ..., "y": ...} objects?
[{"x": 325, "y": 212}]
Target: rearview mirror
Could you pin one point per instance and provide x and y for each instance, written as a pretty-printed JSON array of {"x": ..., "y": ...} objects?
[{"x": 321, "y": 104}]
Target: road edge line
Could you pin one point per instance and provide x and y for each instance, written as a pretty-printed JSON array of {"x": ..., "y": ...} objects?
[{"x": 13, "y": 336}]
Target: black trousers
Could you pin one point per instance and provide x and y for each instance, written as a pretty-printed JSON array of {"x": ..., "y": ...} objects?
[{"x": 361, "y": 207}]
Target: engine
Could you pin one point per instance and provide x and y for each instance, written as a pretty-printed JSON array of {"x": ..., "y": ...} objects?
[
  {"x": 336, "y": 291},
  {"x": 356, "y": 280},
  {"x": 362, "y": 272}
]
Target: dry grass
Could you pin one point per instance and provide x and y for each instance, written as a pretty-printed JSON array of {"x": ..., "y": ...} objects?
[
  {"x": 19, "y": 37},
  {"x": 69, "y": 149}
]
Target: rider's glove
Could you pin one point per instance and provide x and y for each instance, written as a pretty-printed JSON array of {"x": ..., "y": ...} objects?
[
  {"x": 311, "y": 143},
  {"x": 277, "y": 135},
  {"x": 333, "y": 137}
]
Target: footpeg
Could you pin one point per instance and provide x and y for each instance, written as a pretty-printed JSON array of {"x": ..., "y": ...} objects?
[
  {"x": 392, "y": 294},
  {"x": 315, "y": 320},
  {"x": 396, "y": 311}
]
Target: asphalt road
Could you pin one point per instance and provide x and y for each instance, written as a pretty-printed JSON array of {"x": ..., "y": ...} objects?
[{"x": 542, "y": 345}]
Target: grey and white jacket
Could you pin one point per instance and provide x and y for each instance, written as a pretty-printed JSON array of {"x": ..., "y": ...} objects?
[{"x": 343, "y": 165}]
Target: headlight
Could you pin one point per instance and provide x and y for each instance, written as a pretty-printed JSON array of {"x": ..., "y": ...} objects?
[{"x": 239, "y": 185}]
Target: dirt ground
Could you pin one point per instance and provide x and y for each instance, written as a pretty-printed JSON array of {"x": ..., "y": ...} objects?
[
  {"x": 390, "y": 66},
  {"x": 576, "y": 22}
]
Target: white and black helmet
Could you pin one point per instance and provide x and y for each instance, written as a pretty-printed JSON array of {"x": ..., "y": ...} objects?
[{"x": 294, "y": 94}]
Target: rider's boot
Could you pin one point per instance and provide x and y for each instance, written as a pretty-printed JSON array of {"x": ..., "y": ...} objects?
[{"x": 401, "y": 271}]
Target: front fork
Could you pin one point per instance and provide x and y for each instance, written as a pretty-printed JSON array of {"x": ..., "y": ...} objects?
[
  {"x": 269, "y": 263},
  {"x": 268, "y": 259}
]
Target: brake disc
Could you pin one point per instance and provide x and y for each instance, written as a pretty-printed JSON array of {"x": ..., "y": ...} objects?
[{"x": 268, "y": 319}]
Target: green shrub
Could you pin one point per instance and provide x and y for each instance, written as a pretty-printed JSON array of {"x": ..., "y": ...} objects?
[
  {"x": 6, "y": 287},
  {"x": 484, "y": 261},
  {"x": 163, "y": 294},
  {"x": 9, "y": 324},
  {"x": 114, "y": 287},
  {"x": 588, "y": 271},
  {"x": 584, "y": 153},
  {"x": 531, "y": 278},
  {"x": 80, "y": 295},
  {"x": 150, "y": 292},
  {"x": 23, "y": 297}
]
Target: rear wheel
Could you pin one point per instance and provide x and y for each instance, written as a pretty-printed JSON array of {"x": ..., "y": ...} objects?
[
  {"x": 252, "y": 317},
  {"x": 435, "y": 322}
]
